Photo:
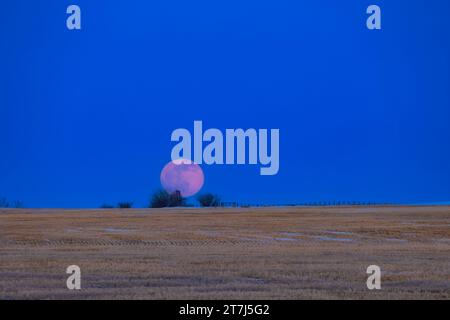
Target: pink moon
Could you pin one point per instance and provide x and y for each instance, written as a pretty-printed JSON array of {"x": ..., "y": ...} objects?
[{"x": 182, "y": 175}]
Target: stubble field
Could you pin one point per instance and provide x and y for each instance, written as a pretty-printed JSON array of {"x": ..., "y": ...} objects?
[{"x": 253, "y": 253}]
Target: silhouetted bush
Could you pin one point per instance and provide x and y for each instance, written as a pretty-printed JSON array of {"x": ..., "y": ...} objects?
[
  {"x": 125, "y": 205},
  {"x": 209, "y": 200},
  {"x": 162, "y": 199}
]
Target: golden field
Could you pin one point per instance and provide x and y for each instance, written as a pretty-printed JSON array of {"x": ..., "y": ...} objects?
[{"x": 242, "y": 253}]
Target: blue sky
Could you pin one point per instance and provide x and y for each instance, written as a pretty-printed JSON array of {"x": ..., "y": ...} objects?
[{"x": 86, "y": 116}]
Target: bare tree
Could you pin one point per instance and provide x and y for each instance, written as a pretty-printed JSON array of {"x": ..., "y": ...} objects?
[
  {"x": 209, "y": 200},
  {"x": 162, "y": 199},
  {"x": 125, "y": 205}
]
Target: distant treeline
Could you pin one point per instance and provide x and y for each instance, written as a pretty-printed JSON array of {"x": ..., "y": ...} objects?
[
  {"x": 309, "y": 204},
  {"x": 4, "y": 203},
  {"x": 163, "y": 199}
]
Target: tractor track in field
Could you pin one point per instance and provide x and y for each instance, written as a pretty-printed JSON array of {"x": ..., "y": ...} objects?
[{"x": 131, "y": 243}]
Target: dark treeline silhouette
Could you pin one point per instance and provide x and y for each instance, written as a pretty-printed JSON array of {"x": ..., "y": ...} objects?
[
  {"x": 342, "y": 203},
  {"x": 209, "y": 200},
  {"x": 306, "y": 204},
  {"x": 4, "y": 203},
  {"x": 163, "y": 199},
  {"x": 125, "y": 205},
  {"x": 120, "y": 205}
]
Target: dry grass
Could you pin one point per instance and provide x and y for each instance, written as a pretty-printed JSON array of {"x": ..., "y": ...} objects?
[{"x": 267, "y": 253}]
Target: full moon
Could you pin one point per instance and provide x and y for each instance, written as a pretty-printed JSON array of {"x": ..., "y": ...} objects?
[{"x": 182, "y": 175}]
